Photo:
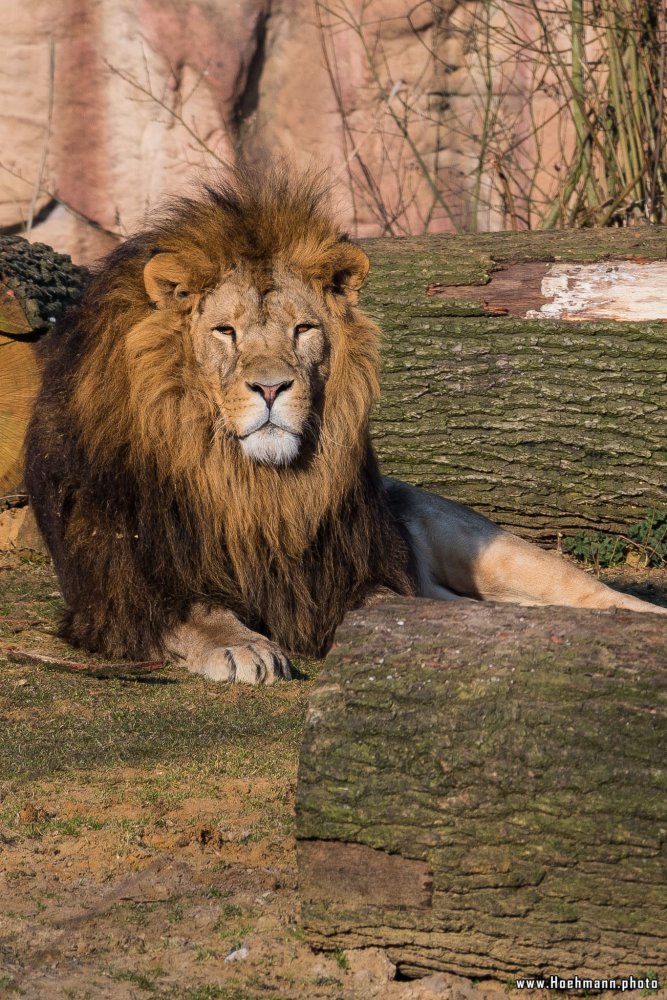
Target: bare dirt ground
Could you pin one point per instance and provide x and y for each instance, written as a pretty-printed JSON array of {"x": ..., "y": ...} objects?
[{"x": 146, "y": 831}]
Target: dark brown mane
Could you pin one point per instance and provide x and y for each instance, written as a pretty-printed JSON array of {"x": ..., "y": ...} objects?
[{"x": 126, "y": 472}]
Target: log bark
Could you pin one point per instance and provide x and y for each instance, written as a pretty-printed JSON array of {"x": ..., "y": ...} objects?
[
  {"x": 482, "y": 790},
  {"x": 544, "y": 425}
]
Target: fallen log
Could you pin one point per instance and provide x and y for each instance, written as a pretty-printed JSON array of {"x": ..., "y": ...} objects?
[
  {"x": 482, "y": 790},
  {"x": 36, "y": 284},
  {"x": 491, "y": 394},
  {"x": 520, "y": 383}
]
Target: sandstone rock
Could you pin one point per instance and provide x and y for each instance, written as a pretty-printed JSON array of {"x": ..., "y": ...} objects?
[
  {"x": 370, "y": 966},
  {"x": 150, "y": 97}
]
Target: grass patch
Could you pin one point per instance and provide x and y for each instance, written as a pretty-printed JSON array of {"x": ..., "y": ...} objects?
[
  {"x": 145, "y": 981},
  {"x": 646, "y": 542},
  {"x": 175, "y": 914},
  {"x": 151, "y": 764},
  {"x": 216, "y": 992},
  {"x": 66, "y": 723},
  {"x": 235, "y": 934},
  {"x": 54, "y": 723},
  {"x": 7, "y": 983},
  {"x": 340, "y": 958}
]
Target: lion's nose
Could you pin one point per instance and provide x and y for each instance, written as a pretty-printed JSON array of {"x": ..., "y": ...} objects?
[{"x": 269, "y": 392}]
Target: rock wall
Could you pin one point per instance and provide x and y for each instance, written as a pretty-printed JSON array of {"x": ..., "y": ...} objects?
[{"x": 111, "y": 104}]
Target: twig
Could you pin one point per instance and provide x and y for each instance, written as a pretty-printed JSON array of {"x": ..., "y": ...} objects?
[
  {"x": 97, "y": 226},
  {"x": 657, "y": 152},
  {"x": 47, "y": 137},
  {"x": 175, "y": 115},
  {"x": 129, "y": 669},
  {"x": 16, "y": 625}
]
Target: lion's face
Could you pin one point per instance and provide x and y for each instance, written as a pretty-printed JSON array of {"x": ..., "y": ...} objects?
[
  {"x": 263, "y": 346},
  {"x": 263, "y": 359}
]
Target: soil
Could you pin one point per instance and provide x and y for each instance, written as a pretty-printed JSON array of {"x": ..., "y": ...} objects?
[{"x": 146, "y": 831}]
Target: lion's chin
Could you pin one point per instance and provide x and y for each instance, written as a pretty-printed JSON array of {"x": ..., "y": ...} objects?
[{"x": 271, "y": 445}]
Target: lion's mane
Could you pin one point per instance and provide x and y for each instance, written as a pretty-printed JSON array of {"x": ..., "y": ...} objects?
[{"x": 146, "y": 509}]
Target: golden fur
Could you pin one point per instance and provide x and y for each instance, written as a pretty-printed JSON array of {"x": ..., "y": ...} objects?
[
  {"x": 165, "y": 409},
  {"x": 140, "y": 404}
]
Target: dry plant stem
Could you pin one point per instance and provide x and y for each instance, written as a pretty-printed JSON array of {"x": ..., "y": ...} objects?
[
  {"x": 54, "y": 196},
  {"x": 356, "y": 25},
  {"x": 335, "y": 86},
  {"x": 578, "y": 110},
  {"x": 45, "y": 146},
  {"x": 626, "y": 138},
  {"x": 30, "y": 657},
  {"x": 658, "y": 129},
  {"x": 487, "y": 120},
  {"x": 174, "y": 115}
]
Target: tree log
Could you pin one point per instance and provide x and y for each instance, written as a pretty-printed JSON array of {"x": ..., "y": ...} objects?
[
  {"x": 482, "y": 790},
  {"x": 545, "y": 425},
  {"x": 36, "y": 284}
]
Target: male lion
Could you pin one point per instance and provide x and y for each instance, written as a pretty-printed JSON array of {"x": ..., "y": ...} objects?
[{"x": 199, "y": 458}]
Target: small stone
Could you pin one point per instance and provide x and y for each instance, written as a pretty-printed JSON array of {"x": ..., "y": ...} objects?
[
  {"x": 237, "y": 954},
  {"x": 373, "y": 961}
]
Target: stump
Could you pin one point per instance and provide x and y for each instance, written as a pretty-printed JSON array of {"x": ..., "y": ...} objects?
[{"x": 483, "y": 790}]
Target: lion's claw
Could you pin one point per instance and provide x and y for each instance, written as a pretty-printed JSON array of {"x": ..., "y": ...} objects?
[{"x": 258, "y": 662}]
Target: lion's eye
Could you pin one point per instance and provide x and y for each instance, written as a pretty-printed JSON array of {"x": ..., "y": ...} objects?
[
  {"x": 304, "y": 328},
  {"x": 224, "y": 331}
]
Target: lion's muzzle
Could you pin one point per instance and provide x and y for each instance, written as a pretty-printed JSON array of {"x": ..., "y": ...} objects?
[{"x": 271, "y": 391}]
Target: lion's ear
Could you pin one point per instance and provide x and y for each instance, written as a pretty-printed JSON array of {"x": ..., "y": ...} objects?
[
  {"x": 350, "y": 267},
  {"x": 169, "y": 282}
]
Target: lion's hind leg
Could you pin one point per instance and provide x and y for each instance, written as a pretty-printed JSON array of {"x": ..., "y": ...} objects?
[
  {"x": 213, "y": 642},
  {"x": 460, "y": 551}
]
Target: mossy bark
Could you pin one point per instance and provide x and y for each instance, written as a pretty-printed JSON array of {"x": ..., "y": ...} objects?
[
  {"x": 544, "y": 426},
  {"x": 482, "y": 790}
]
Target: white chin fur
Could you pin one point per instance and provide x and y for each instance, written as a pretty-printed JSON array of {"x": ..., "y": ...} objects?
[{"x": 271, "y": 446}]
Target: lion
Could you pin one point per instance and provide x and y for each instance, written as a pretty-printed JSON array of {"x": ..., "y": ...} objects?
[{"x": 199, "y": 458}]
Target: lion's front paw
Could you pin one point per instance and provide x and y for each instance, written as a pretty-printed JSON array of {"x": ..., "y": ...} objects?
[{"x": 257, "y": 662}]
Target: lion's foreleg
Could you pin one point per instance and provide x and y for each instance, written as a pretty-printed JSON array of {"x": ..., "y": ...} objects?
[
  {"x": 457, "y": 549},
  {"x": 213, "y": 642}
]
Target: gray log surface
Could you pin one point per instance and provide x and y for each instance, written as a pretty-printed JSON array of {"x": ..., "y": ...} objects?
[
  {"x": 544, "y": 426},
  {"x": 482, "y": 790}
]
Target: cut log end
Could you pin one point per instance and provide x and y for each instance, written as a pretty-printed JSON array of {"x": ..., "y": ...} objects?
[{"x": 19, "y": 380}]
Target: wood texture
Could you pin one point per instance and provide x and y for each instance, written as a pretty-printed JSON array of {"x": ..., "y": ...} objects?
[
  {"x": 545, "y": 426},
  {"x": 36, "y": 284},
  {"x": 517, "y": 756},
  {"x": 634, "y": 290},
  {"x": 19, "y": 380}
]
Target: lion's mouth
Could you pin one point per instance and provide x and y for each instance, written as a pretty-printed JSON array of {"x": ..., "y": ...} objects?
[
  {"x": 271, "y": 444},
  {"x": 267, "y": 426}
]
